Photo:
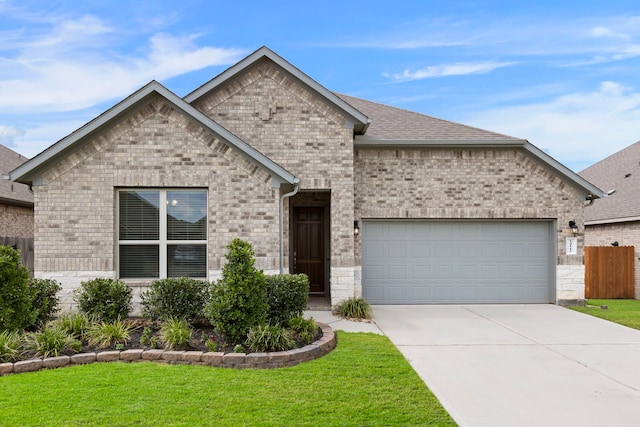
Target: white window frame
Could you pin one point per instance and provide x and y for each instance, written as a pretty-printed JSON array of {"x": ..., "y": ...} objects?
[{"x": 163, "y": 242}]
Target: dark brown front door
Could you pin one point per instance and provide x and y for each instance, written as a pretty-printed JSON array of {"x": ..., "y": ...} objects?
[{"x": 308, "y": 245}]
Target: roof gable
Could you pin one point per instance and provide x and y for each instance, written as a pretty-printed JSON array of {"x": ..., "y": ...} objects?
[
  {"x": 619, "y": 175},
  {"x": 358, "y": 120},
  {"x": 30, "y": 171}
]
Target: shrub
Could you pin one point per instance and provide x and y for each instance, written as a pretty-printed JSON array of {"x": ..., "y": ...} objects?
[
  {"x": 181, "y": 297},
  {"x": 238, "y": 300},
  {"x": 51, "y": 342},
  {"x": 354, "y": 308},
  {"x": 10, "y": 346},
  {"x": 75, "y": 324},
  {"x": 287, "y": 296},
  {"x": 105, "y": 334},
  {"x": 44, "y": 300},
  {"x": 305, "y": 329},
  {"x": 263, "y": 338},
  {"x": 175, "y": 333},
  {"x": 15, "y": 299},
  {"x": 106, "y": 299}
]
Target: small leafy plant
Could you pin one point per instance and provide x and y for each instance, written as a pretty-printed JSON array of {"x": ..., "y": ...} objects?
[
  {"x": 145, "y": 338},
  {"x": 269, "y": 338},
  {"x": 10, "y": 346},
  {"x": 238, "y": 300},
  {"x": 238, "y": 348},
  {"x": 106, "y": 299},
  {"x": 105, "y": 334},
  {"x": 51, "y": 342},
  {"x": 44, "y": 300},
  {"x": 75, "y": 324},
  {"x": 305, "y": 329},
  {"x": 15, "y": 297},
  {"x": 354, "y": 308},
  {"x": 175, "y": 333},
  {"x": 182, "y": 297}
]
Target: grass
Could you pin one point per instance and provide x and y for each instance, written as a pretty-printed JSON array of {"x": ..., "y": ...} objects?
[
  {"x": 622, "y": 311},
  {"x": 365, "y": 381}
]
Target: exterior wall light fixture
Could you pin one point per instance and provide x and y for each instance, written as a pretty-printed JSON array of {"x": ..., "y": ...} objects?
[{"x": 356, "y": 228}]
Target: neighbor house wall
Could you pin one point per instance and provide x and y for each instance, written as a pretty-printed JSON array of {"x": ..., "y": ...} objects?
[
  {"x": 470, "y": 184},
  {"x": 155, "y": 147},
  {"x": 626, "y": 234},
  {"x": 299, "y": 130}
]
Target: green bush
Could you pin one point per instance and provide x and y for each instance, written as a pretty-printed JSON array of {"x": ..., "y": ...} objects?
[
  {"x": 238, "y": 300},
  {"x": 175, "y": 334},
  {"x": 182, "y": 297},
  {"x": 354, "y": 308},
  {"x": 105, "y": 334},
  {"x": 287, "y": 296},
  {"x": 51, "y": 342},
  {"x": 10, "y": 346},
  {"x": 305, "y": 329},
  {"x": 44, "y": 300},
  {"x": 105, "y": 299},
  {"x": 15, "y": 299},
  {"x": 264, "y": 338}
]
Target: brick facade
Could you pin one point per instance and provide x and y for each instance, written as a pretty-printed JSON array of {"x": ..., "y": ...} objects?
[
  {"x": 156, "y": 145},
  {"x": 16, "y": 221},
  {"x": 626, "y": 234},
  {"x": 471, "y": 184}
]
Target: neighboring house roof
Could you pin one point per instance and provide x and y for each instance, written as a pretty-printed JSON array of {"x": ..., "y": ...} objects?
[
  {"x": 619, "y": 172},
  {"x": 395, "y": 127},
  {"x": 358, "y": 120},
  {"x": 30, "y": 171},
  {"x": 12, "y": 192}
]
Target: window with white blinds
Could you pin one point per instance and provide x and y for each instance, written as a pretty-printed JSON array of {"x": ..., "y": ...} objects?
[{"x": 162, "y": 233}]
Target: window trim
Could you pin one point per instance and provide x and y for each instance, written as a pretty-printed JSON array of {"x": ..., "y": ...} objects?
[{"x": 162, "y": 242}]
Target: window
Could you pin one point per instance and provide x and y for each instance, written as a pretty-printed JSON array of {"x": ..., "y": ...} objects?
[{"x": 162, "y": 233}]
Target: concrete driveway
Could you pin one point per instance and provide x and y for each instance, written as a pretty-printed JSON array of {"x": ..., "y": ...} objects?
[{"x": 521, "y": 365}]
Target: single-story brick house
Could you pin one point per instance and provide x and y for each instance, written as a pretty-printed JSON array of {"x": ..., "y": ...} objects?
[
  {"x": 616, "y": 218},
  {"x": 16, "y": 208},
  {"x": 365, "y": 198}
]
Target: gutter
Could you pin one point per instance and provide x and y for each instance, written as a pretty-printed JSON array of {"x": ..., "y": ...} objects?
[{"x": 296, "y": 188}]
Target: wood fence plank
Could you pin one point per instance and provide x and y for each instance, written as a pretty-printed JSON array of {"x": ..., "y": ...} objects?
[{"x": 609, "y": 272}]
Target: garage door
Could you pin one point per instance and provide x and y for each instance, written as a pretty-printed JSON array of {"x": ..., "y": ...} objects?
[{"x": 459, "y": 262}]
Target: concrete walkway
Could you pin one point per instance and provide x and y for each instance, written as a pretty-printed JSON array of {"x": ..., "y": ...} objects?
[
  {"x": 338, "y": 324},
  {"x": 520, "y": 365}
]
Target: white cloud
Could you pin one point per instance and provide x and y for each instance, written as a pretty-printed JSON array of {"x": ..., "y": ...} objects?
[
  {"x": 444, "y": 70},
  {"x": 8, "y": 133},
  {"x": 577, "y": 129},
  {"x": 62, "y": 70}
]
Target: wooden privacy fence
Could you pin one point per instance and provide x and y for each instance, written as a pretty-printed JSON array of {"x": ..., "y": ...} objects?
[{"x": 609, "y": 271}]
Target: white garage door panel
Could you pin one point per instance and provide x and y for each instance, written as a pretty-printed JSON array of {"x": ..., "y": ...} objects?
[{"x": 439, "y": 262}]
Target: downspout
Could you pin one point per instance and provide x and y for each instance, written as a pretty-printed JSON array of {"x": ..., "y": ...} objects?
[{"x": 296, "y": 188}]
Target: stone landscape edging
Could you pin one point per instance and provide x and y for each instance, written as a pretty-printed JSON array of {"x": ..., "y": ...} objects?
[{"x": 278, "y": 359}]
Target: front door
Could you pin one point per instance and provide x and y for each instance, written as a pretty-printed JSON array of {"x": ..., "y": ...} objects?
[{"x": 308, "y": 245}]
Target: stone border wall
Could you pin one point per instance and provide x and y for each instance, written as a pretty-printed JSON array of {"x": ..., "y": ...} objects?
[{"x": 278, "y": 359}]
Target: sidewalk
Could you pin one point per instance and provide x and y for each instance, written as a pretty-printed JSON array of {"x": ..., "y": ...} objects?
[{"x": 338, "y": 324}]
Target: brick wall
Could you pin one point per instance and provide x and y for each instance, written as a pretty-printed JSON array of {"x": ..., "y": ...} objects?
[
  {"x": 16, "y": 221},
  {"x": 477, "y": 184},
  {"x": 156, "y": 147},
  {"x": 626, "y": 234},
  {"x": 272, "y": 112}
]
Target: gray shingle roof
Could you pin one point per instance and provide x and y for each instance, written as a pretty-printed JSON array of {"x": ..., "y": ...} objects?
[
  {"x": 619, "y": 172},
  {"x": 397, "y": 124},
  {"x": 13, "y": 192}
]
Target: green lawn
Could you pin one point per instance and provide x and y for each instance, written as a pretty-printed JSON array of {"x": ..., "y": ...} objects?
[
  {"x": 365, "y": 381},
  {"x": 623, "y": 311}
]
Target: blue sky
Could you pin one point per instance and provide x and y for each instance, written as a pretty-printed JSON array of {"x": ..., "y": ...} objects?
[{"x": 564, "y": 75}]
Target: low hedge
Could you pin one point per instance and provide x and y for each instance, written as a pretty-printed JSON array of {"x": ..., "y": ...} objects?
[{"x": 287, "y": 296}]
